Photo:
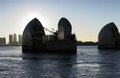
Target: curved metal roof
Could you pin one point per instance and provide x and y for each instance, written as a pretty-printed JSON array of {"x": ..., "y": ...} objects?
[
  {"x": 33, "y": 29},
  {"x": 65, "y": 24},
  {"x": 107, "y": 34}
]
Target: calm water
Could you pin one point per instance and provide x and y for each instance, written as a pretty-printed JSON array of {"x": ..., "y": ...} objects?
[{"x": 89, "y": 62}]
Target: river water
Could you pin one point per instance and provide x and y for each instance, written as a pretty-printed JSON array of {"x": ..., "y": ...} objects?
[{"x": 89, "y": 62}]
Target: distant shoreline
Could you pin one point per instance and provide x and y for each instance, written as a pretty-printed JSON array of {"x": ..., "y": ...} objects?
[
  {"x": 10, "y": 45},
  {"x": 79, "y": 43},
  {"x": 87, "y": 43}
]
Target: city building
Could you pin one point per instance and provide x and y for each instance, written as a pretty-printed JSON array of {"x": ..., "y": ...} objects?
[
  {"x": 19, "y": 40},
  {"x": 3, "y": 41},
  {"x": 13, "y": 39},
  {"x": 10, "y": 40}
]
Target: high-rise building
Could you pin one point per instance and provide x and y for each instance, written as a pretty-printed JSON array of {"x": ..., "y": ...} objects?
[
  {"x": 15, "y": 38},
  {"x": 19, "y": 39},
  {"x": 2, "y": 41},
  {"x": 10, "y": 39}
]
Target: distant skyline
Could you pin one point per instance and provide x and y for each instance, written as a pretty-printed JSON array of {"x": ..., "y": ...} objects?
[{"x": 87, "y": 17}]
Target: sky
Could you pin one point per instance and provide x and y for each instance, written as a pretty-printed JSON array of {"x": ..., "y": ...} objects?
[{"x": 87, "y": 17}]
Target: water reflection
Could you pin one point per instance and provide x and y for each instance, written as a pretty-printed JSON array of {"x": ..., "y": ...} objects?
[
  {"x": 50, "y": 65},
  {"x": 109, "y": 64}
]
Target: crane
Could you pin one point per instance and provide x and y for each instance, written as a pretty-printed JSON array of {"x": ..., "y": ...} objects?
[{"x": 49, "y": 30}]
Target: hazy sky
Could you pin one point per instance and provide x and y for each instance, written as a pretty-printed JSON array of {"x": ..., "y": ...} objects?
[{"x": 86, "y": 16}]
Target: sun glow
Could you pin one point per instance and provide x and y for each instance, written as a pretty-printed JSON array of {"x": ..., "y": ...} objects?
[{"x": 29, "y": 17}]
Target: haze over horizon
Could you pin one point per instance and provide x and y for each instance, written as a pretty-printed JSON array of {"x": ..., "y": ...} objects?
[{"x": 86, "y": 17}]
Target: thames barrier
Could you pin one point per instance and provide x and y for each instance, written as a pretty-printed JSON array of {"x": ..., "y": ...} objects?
[{"x": 35, "y": 39}]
